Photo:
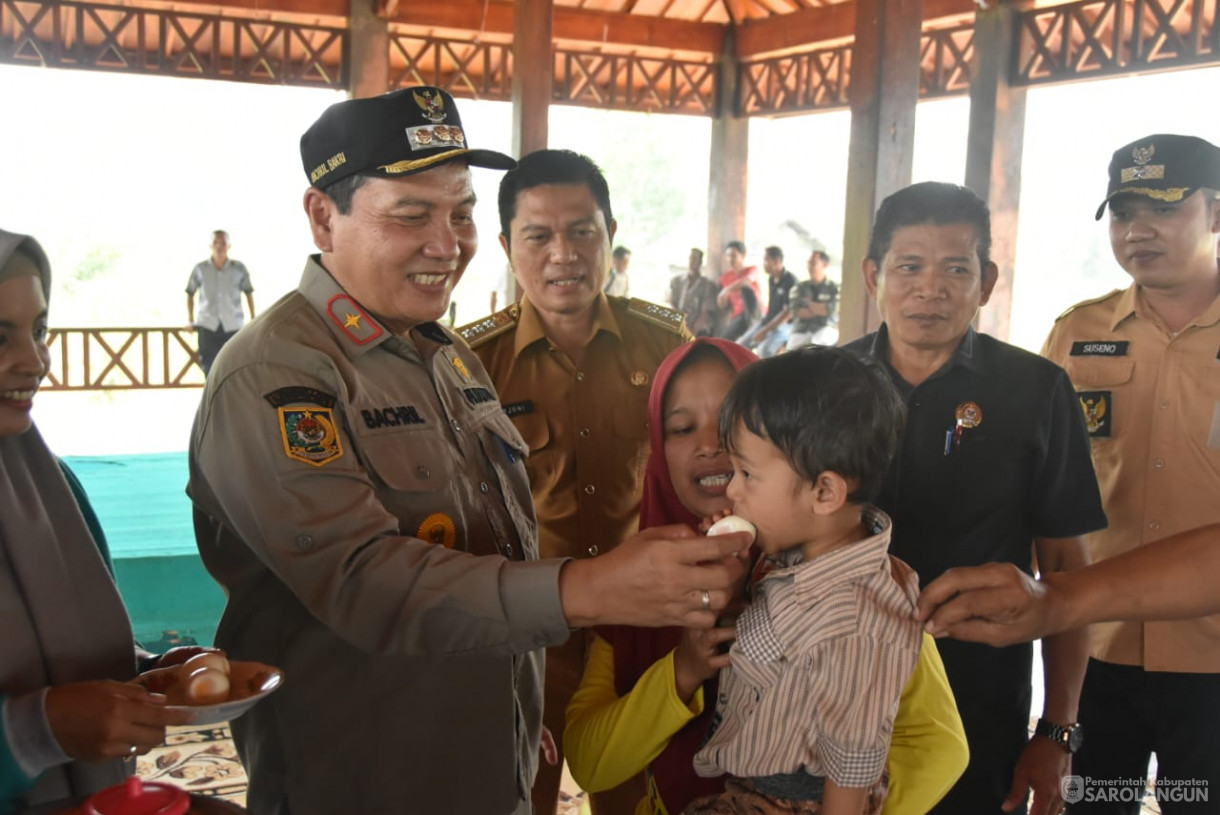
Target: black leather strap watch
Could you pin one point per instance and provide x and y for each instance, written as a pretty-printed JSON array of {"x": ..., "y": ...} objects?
[{"x": 1068, "y": 737}]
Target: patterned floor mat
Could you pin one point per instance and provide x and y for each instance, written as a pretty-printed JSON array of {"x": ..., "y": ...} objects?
[
  {"x": 204, "y": 761},
  {"x": 201, "y": 760}
]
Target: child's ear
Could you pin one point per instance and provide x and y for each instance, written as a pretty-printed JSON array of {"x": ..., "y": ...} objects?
[{"x": 828, "y": 493}]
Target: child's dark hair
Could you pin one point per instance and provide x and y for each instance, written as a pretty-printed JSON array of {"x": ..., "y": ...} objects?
[{"x": 825, "y": 409}]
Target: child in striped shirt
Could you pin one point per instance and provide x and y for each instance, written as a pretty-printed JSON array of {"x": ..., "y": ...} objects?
[{"x": 805, "y": 711}]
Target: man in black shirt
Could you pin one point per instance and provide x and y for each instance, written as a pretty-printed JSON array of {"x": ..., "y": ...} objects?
[
  {"x": 772, "y": 332},
  {"x": 995, "y": 466},
  {"x": 813, "y": 305}
]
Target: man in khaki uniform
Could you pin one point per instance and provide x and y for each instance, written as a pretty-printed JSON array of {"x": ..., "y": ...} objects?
[
  {"x": 362, "y": 498},
  {"x": 1145, "y": 362},
  {"x": 573, "y": 367}
]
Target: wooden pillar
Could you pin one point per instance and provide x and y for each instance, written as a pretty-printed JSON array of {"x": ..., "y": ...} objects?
[
  {"x": 884, "y": 90},
  {"x": 369, "y": 55},
  {"x": 533, "y": 73},
  {"x": 993, "y": 152},
  {"x": 728, "y": 164}
]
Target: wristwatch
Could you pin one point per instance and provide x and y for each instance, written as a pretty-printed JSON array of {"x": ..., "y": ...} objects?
[{"x": 1068, "y": 737}]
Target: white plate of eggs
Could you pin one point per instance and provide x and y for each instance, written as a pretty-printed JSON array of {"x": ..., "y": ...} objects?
[{"x": 211, "y": 688}]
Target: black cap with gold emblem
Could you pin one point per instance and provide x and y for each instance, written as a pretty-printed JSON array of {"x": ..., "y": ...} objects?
[
  {"x": 1165, "y": 167},
  {"x": 395, "y": 134}
]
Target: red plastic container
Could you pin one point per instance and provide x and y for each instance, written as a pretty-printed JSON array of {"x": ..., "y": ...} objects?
[{"x": 138, "y": 798}]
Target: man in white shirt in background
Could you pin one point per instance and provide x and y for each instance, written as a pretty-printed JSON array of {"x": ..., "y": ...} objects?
[{"x": 220, "y": 281}]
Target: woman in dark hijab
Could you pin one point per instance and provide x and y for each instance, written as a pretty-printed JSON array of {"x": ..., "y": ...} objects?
[{"x": 68, "y": 724}]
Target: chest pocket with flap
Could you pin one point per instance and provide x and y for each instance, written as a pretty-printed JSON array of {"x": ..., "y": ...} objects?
[{"x": 1101, "y": 387}]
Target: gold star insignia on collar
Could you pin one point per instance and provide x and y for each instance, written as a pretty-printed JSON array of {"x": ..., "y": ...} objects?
[{"x": 351, "y": 321}]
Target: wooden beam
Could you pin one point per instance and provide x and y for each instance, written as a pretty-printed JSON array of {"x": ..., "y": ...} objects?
[
  {"x": 884, "y": 92},
  {"x": 728, "y": 169},
  {"x": 292, "y": 8},
  {"x": 993, "y": 151},
  {"x": 369, "y": 51},
  {"x": 533, "y": 74},
  {"x": 638, "y": 30},
  {"x": 570, "y": 24},
  {"x": 738, "y": 10},
  {"x": 825, "y": 24},
  {"x": 707, "y": 9}
]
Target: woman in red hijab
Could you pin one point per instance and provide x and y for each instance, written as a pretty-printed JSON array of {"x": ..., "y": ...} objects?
[{"x": 647, "y": 695}]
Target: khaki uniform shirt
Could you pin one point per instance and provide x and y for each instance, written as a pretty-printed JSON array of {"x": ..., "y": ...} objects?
[
  {"x": 586, "y": 427},
  {"x": 1152, "y": 404},
  {"x": 361, "y": 497}
]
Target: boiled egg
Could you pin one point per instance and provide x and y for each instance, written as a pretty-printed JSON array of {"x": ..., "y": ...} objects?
[
  {"x": 733, "y": 523},
  {"x": 206, "y": 686}
]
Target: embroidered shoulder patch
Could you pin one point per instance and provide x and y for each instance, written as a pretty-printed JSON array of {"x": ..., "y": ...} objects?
[
  {"x": 310, "y": 435},
  {"x": 299, "y": 395},
  {"x": 483, "y": 330},
  {"x": 478, "y": 396},
  {"x": 663, "y": 316},
  {"x": 353, "y": 320}
]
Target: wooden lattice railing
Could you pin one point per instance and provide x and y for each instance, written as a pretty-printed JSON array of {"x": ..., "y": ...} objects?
[
  {"x": 1098, "y": 38},
  {"x": 90, "y": 359},
  {"x": 477, "y": 70},
  {"x": 170, "y": 42},
  {"x": 1086, "y": 39},
  {"x": 820, "y": 79},
  {"x": 633, "y": 82}
]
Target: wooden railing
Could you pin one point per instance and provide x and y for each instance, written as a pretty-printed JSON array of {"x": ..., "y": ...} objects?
[
  {"x": 1086, "y": 39},
  {"x": 171, "y": 42},
  {"x": 92, "y": 359},
  {"x": 1092, "y": 39}
]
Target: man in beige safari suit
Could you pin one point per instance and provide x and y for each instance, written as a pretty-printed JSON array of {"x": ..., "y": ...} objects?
[{"x": 362, "y": 498}]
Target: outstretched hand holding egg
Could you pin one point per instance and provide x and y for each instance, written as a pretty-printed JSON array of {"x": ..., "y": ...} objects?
[{"x": 701, "y": 653}]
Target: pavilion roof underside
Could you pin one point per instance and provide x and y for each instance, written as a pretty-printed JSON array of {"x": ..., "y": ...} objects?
[{"x": 655, "y": 55}]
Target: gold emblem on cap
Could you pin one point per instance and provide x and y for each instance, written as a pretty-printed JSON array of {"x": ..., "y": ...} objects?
[
  {"x": 411, "y": 165},
  {"x": 969, "y": 414},
  {"x": 639, "y": 378},
  {"x": 430, "y": 137},
  {"x": 1142, "y": 171},
  {"x": 432, "y": 104}
]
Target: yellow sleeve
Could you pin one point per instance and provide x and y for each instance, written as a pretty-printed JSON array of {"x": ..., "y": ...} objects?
[
  {"x": 610, "y": 738},
  {"x": 928, "y": 751}
]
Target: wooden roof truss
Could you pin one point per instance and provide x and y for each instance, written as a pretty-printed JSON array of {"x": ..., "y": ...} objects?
[{"x": 637, "y": 68}]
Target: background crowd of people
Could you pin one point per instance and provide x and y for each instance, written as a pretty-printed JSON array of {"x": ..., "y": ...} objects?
[{"x": 794, "y": 313}]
